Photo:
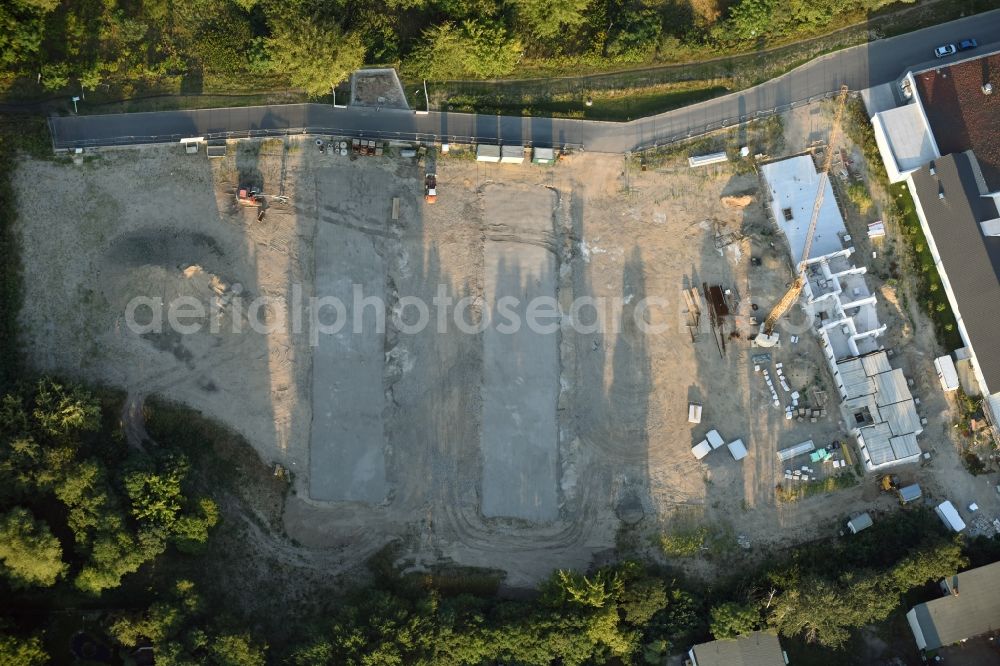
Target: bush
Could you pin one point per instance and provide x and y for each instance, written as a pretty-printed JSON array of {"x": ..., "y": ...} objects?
[
  {"x": 684, "y": 542},
  {"x": 859, "y": 196},
  {"x": 732, "y": 619}
]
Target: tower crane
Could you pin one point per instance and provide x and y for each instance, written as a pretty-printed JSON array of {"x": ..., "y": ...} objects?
[{"x": 767, "y": 336}]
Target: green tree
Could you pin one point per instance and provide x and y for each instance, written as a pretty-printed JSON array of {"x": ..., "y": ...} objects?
[
  {"x": 59, "y": 410},
  {"x": 315, "y": 57},
  {"x": 546, "y": 19},
  {"x": 748, "y": 20},
  {"x": 477, "y": 49},
  {"x": 22, "y": 29},
  {"x": 636, "y": 35},
  {"x": 22, "y": 651},
  {"x": 31, "y": 555},
  {"x": 155, "y": 494},
  {"x": 162, "y": 621},
  {"x": 115, "y": 554},
  {"x": 824, "y": 612},
  {"x": 932, "y": 562},
  {"x": 236, "y": 650},
  {"x": 571, "y": 587},
  {"x": 731, "y": 619},
  {"x": 191, "y": 530}
]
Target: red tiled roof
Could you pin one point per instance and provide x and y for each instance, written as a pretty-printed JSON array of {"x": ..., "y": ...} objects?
[{"x": 961, "y": 116}]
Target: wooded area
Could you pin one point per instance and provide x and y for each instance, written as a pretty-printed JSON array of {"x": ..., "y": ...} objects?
[
  {"x": 81, "y": 511},
  {"x": 86, "y": 44}
]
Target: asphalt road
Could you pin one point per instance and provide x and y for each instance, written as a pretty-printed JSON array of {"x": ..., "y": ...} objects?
[{"x": 859, "y": 67}]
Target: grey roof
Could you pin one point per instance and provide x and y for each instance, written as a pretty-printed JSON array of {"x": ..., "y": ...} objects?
[
  {"x": 876, "y": 363},
  {"x": 890, "y": 387},
  {"x": 974, "y": 611},
  {"x": 970, "y": 259},
  {"x": 856, "y": 381},
  {"x": 757, "y": 649}
]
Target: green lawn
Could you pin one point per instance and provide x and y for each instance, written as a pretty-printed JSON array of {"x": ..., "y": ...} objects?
[
  {"x": 618, "y": 105},
  {"x": 929, "y": 289}
]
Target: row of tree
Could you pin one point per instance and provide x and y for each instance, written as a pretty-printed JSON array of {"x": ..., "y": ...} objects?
[
  {"x": 314, "y": 45},
  {"x": 80, "y": 511}
]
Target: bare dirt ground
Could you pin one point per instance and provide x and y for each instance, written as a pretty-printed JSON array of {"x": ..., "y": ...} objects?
[
  {"x": 458, "y": 480},
  {"x": 379, "y": 88}
]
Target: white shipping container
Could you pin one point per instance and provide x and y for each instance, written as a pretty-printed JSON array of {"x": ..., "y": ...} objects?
[
  {"x": 702, "y": 449},
  {"x": 946, "y": 372},
  {"x": 486, "y": 153},
  {"x": 948, "y": 514},
  {"x": 512, "y": 154}
]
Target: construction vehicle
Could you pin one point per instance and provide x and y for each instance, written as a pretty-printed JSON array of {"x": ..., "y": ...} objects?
[
  {"x": 430, "y": 188},
  {"x": 888, "y": 483},
  {"x": 249, "y": 196},
  {"x": 767, "y": 336}
]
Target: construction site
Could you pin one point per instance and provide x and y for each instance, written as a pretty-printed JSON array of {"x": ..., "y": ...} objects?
[{"x": 743, "y": 361}]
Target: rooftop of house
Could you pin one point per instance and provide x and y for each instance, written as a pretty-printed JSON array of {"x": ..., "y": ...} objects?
[
  {"x": 757, "y": 649},
  {"x": 961, "y": 116},
  {"x": 971, "y": 608},
  {"x": 952, "y": 204}
]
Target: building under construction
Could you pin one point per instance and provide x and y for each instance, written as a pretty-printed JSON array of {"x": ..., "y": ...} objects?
[{"x": 877, "y": 407}]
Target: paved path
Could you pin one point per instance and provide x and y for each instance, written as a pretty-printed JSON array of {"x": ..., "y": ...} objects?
[{"x": 859, "y": 67}]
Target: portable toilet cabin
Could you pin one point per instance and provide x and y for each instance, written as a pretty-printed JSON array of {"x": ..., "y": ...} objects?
[
  {"x": 948, "y": 514},
  {"x": 487, "y": 153},
  {"x": 909, "y": 493},
  {"x": 512, "y": 154},
  {"x": 543, "y": 155},
  {"x": 858, "y": 523},
  {"x": 946, "y": 372},
  {"x": 702, "y": 449},
  {"x": 738, "y": 449}
]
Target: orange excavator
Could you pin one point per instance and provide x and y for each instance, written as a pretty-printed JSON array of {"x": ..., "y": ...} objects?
[{"x": 248, "y": 196}]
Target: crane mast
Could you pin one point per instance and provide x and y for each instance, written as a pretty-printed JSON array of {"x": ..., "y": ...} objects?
[{"x": 784, "y": 304}]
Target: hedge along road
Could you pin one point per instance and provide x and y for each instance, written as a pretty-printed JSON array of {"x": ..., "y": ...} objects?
[{"x": 859, "y": 67}]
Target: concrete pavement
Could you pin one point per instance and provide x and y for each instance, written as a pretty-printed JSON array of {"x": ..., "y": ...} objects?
[{"x": 860, "y": 67}]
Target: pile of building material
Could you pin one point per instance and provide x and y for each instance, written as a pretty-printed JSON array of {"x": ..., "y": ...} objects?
[
  {"x": 770, "y": 385},
  {"x": 797, "y": 450},
  {"x": 368, "y": 147},
  {"x": 704, "y": 160},
  {"x": 805, "y": 473},
  {"x": 737, "y": 202}
]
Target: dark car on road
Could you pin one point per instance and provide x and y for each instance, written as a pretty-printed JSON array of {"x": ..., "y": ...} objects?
[{"x": 967, "y": 44}]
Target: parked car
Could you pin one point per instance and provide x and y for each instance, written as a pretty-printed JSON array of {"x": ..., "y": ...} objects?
[
  {"x": 946, "y": 50},
  {"x": 967, "y": 44}
]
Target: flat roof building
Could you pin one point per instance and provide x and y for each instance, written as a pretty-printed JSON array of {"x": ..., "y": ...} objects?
[{"x": 879, "y": 409}]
